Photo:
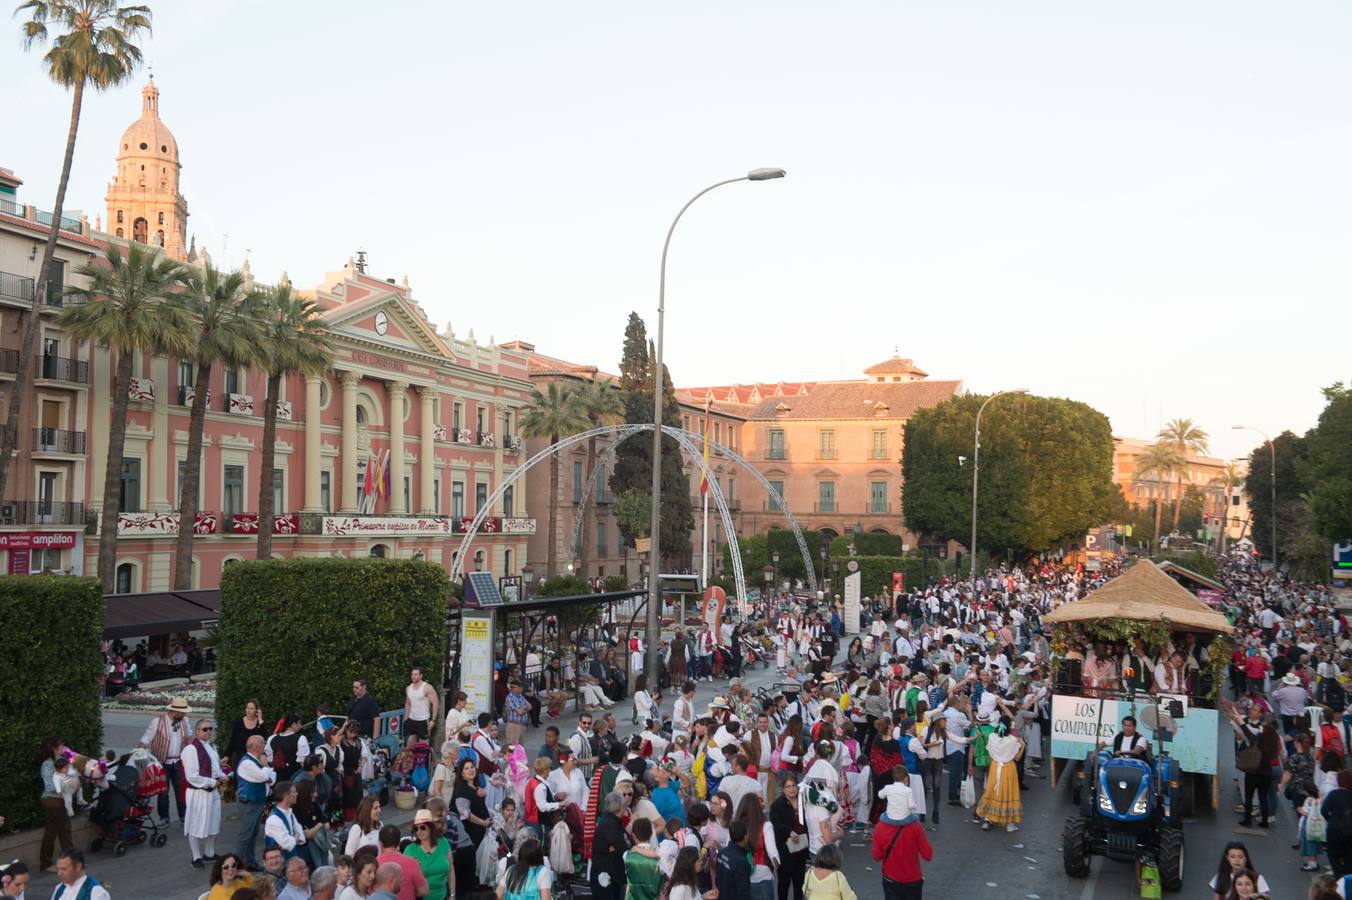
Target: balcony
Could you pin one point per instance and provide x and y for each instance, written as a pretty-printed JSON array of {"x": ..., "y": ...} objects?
[
  {"x": 511, "y": 443},
  {"x": 16, "y": 287},
  {"x": 826, "y": 453},
  {"x": 61, "y": 300},
  {"x": 10, "y": 208},
  {"x": 775, "y": 453},
  {"x": 186, "y": 393},
  {"x": 57, "y": 368},
  {"x": 828, "y": 507},
  {"x": 771, "y": 506},
  {"x": 41, "y": 512},
  {"x": 880, "y": 509},
  {"x": 485, "y": 439},
  {"x": 42, "y": 217},
  {"x": 57, "y": 440}
]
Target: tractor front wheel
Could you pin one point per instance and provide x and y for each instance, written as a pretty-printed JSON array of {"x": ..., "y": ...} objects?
[{"x": 1075, "y": 847}]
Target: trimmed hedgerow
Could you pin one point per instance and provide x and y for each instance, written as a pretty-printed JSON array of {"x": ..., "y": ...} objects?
[
  {"x": 294, "y": 633},
  {"x": 50, "y": 680}
]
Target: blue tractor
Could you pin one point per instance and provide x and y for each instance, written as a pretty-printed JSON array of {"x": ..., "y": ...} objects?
[{"x": 1131, "y": 810}]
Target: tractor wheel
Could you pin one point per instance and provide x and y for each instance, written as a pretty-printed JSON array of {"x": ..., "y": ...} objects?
[
  {"x": 1171, "y": 858},
  {"x": 1075, "y": 847}
]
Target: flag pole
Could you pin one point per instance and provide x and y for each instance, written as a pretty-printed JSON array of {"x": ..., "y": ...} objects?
[{"x": 704, "y": 546}]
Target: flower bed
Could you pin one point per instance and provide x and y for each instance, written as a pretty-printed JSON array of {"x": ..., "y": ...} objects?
[{"x": 200, "y": 695}]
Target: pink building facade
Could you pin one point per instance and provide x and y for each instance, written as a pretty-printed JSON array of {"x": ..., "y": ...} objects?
[{"x": 431, "y": 419}]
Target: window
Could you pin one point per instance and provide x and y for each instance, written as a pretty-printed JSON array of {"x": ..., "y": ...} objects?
[
  {"x": 458, "y": 499},
  {"x": 378, "y": 551},
  {"x": 601, "y": 539},
  {"x": 877, "y": 497},
  {"x": 232, "y": 381},
  {"x": 480, "y": 496},
  {"x": 577, "y": 482},
  {"x": 457, "y": 415},
  {"x": 119, "y": 217},
  {"x": 718, "y": 432},
  {"x": 131, "y": 486},
  {"x": 601, "y": 484},
  {"x": 161, "y": 222},
  {"x": 232, "y": 497},
  {"x": 46, "y": 493},
  {"x": 182, "y": 476},
  {"x": 732, "y": 490},
  {"x": 185, "y": 374},
  {"x": 771, "y": 503},
  {"x": 408, "y": 493},
  {"x": 826, "y": 496},
  {"x": 481, "y": 417},
  {"x": 125, "y": 575},
  {"x": 44, "y": 560},
  {"x": 1234, "y": 501},
  {"x": 278, "y": 492},
  {"x": 436, "y": 495},
  {"x": 776, "y": 449},
  {"x": 326, "y": 491},
  {"x": 827, "y": 443},
  {"x": 509, "y": 502},
  {"x": 878, "y": 449},
  {"x": 361, "y": 414},
  {"x": 56, "y": 282}
]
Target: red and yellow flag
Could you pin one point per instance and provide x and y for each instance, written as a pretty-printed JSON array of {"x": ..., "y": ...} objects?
[{"x": 708, "y": 427}]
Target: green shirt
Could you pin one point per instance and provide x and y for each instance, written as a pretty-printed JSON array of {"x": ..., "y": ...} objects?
[
  {"x": 643, "y": 876},
  {"x": 436, "y": 866},
  {"x": 979, "y": 755}
]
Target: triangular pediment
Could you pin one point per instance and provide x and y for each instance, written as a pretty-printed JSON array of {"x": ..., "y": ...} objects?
[{"x": 402, "y": 322}]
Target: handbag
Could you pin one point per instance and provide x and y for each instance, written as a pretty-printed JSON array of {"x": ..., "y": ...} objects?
[
  {"x": 1316, "y": 826},
  {"x": 796, "y": 843},
  {"x": 1249, "y": 760}
]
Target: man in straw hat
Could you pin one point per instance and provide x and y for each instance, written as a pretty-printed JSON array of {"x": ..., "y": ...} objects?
[{"x": 165, "y": 737}]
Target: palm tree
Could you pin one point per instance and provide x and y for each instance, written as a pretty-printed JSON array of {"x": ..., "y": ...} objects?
[
  {"x": 95, "y": 48},
  {"x": 601, "y": 403},
  {"x": 295, "y": 341},
  {"x": 1160, "y": 460},
  {"x": 225, "y": 316},
  {"x": 130, "y": 307},
  {"x": 1186, "y": 438},
  {"x": 552, "y": 412},
  {"x": 1229, "y": 479}
]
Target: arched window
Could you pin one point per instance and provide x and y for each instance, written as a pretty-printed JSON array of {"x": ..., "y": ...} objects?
[
  {"x": 126, "y": 575},
  {"x": 119, "y": 232},
  {"x": 378, "y": 551},
  {"x": 361, "y": 414},
  {"x": 140, "y": 230},
  {"x": 119, "y": 217}
]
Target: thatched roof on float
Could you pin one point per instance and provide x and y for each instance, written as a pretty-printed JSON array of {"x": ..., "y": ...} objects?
[{"x": 1144, "y": 593}]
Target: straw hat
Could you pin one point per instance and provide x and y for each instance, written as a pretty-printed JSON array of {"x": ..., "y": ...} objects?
[
  {"x": 424, "y": 817},
  {"x": 1291, "y": 678},
  {"x": 719, "y": 703},
  {"x": 178, "y": 704}
]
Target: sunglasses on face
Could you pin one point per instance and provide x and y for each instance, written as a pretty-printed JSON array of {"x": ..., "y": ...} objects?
[
  {"x": 229, "y": 866},
  {"x": 206, "y": 728},
  {"x": 421, "y": 827}
]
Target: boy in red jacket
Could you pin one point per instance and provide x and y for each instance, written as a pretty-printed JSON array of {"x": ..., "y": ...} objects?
[{"x": 900, "y": 848}]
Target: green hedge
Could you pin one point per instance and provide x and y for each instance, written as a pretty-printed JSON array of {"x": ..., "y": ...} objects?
[
  {"x": 563, "y": 586},
  {"x": 866, "y": 543},
  {"x": 1195, "y": 560},
  {"x": 50, "y": 680},
  {"x": 294, "y": 633}
]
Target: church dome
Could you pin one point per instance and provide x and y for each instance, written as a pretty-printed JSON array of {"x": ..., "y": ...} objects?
[{"x": 148, "y": 135}]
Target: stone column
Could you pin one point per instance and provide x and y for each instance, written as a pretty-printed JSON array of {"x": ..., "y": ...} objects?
[
  {"x": 313, "y": 502},
  {"x": 427, "y": 455},
  {"x": 398, "y": 390},
  {"x": 350, "y": 382}
]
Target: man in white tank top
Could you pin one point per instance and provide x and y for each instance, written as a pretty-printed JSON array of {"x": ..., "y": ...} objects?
[{"x": 420, "y": 706}]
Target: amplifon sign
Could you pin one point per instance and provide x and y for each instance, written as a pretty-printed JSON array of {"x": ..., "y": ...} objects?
[{"x": 38, "y": 540}]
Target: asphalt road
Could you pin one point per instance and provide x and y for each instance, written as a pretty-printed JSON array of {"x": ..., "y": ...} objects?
[{"x": 968, "y": 862}]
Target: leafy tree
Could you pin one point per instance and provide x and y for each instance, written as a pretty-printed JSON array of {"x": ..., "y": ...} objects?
[
  {"x": 552, "y": 413},
  {"x": 1045, "y": 477},
  {"x": 1186, "y": 438},
  {"x": 633, "y": 458},
  {"x": 95, "y": 47},
  {"x": 1192, "y": 507},
  {"x": 1326, "y": 471},
  {"x": 1290, "y": 451},
  {"x": 128, "y": 308},
  {"x": 295, "y": 341},
  {"x": 1154, "y": 466},
  {"x": 601, "y": 403},
  {"x": 225, "y": 314}
]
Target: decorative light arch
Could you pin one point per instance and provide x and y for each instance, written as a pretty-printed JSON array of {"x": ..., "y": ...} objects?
[
  {"x": 630, "y": 430},
  {"x": 681, "y": 437}
]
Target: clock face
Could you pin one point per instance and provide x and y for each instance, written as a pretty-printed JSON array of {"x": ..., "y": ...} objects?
[{"x": 382, "y": 322}]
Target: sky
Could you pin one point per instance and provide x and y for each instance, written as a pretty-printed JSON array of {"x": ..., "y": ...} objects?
[{"x": 1142, "y": 206}]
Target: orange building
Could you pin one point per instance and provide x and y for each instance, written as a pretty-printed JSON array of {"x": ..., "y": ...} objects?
[{"x": 1200, "y": 472}]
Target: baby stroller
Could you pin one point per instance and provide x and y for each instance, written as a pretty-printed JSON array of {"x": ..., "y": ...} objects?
[
  {"x": 382, "y": 764},
  {"x": 122, "y": 816}
]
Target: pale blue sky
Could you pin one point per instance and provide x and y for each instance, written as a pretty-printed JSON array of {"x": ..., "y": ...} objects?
[{"x": 1143, "y": 206}]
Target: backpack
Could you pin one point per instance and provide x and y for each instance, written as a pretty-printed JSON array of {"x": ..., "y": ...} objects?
[{"x": 1335, "y": 698}]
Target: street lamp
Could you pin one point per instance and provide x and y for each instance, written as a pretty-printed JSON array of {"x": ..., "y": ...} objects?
[
  {"x": 527, "y": 578},
  {"x": 653, "y": 626},
  {"x": 769, "y": 575},
  {"x": 976, "y": 475},
  {"x": 1273, "y": 472},
  {"x": 774, "y": 558}
]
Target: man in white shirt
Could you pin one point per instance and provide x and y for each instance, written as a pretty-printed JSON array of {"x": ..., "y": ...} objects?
[
  {"x": 739, "y": 784},
  {"x": 255, "y": 778},
  {"x": 763, "y": 742},
  {"x": 165, "y": 738},
  {"x": 683, "y": 711},
  {"x": 282, "y": 828},
  {"x": 70, "y": 869},
  {"x": 567, "y": 781},
  {"x": 579, "y": 743}
]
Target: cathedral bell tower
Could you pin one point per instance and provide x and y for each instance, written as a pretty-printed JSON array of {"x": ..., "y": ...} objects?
[{"x": 144, "y": 203}]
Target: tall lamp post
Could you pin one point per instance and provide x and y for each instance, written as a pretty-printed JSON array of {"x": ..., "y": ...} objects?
[
  {"x": 1273, "y": 472},
  {"x": 654, "y": 623},
  {"x": 976, "y": 475}
]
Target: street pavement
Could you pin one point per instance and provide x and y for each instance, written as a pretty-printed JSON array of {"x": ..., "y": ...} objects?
[{"x": 968, "y": 862}]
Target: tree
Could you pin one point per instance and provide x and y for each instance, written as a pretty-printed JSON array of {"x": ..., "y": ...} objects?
[
  {"x": 1290, "y": 450},
  {"x": 1155, "y": 465},
  {"x": 96, "y": 48},
  {"x": 633, "y": 458},
  {"x": 1045, "y": 474},
  {"x": 553, "y": 412},
  {"x": 295, "y": 341},
  {"x": 602, "y": 404},
  {"x": 1326, "y": 471},
  {"x": 1185, "y": 437},
  {"x": 225, "y": 313},
  {"x": 130, "y": 307}
]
